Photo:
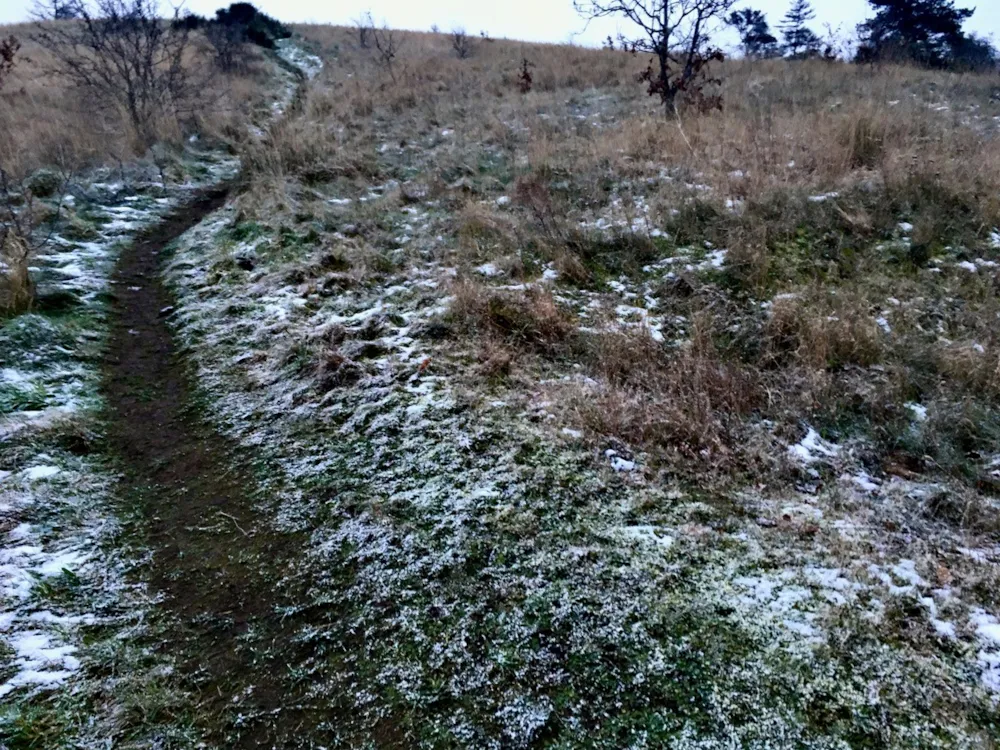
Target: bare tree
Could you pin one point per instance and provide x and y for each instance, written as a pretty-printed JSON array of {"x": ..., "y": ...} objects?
[
  {"x": 524, "y": 78},
  {"x": 124, "y": 53},
  {"x": 365, "y": 26},
  {"x": 387, "y": 45},
  {"x": 675, "y": 32},
  {"x": 461, "y": 43}
]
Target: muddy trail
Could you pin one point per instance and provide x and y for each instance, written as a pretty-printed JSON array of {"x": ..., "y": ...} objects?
[{"x": 216, "y": 561}]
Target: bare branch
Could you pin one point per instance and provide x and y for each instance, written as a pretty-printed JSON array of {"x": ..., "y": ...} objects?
[
  {"x": 461, "y": 43},
  {"x": 387, "y": 45},
  {"x": 124, "y": 53},
  {"x": 676, "y": 33},
  {"x": 365, "y": 24}
]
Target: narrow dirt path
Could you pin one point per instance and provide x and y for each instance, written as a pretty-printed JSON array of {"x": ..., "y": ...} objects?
[{"x": 215, "y": 560}]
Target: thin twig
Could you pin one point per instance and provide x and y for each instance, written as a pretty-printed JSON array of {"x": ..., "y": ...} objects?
[
  {"x": 235, "y": 522},
  {"x": 677, "y": 115}
]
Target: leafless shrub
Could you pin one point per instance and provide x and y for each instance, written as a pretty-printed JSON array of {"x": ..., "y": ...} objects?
[
  {"x": 524, "y": 77},
  {"x": 365, "y": 26},
  {"x": 532, "y": 194},
  {"x": 22, "y": 235},
  {"x": 387, "y": 45},
  {"x": 461, "y": 43},
  {"x": 8, "y": 49},
  {"x": 123, "y": 52}
]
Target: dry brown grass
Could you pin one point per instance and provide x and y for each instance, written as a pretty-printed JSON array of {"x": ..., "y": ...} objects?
[
  {"x": 530, "y": 319},
  {"x": 803, "y": 177},
  {"x": 842, "y": 125},
  {"x": 45, "y": 121},
  {"x": 16, "y": 288},
  {"x": 824, "y": 331},
  {"x": 689, "y": 404}
]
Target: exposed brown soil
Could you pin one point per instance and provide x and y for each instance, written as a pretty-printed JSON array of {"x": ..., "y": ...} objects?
[{"x": 216, "y": 560}]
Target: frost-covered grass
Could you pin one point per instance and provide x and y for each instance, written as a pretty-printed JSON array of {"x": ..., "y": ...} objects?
[
  {"x": 77, "y": 627},
  {"x": 83, "y": 660},
  {"x": 602, "y": 433},
  {"x": 493, "y": 578},
  {"x": 605, "y": 438}
]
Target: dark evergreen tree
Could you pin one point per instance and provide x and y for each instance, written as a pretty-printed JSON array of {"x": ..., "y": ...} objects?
[
  {"x": 975, "y": 53},
  {"x": 800, "y": 41},
  {"x": 925, "y": 31},
  {"x": 755, "y": 35}
]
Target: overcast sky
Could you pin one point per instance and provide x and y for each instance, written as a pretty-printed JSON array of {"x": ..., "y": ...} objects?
[{"x": 537, "y": 20}]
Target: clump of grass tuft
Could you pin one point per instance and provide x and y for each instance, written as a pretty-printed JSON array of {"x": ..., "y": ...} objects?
[
  {"x": 530, "y": 319},
  {"x": 823, "y": 330},
  {"x": 690, "y": 402},
  {"x": 863, "y": 138}
]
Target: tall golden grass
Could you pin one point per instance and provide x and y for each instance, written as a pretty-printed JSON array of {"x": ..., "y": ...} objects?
[{"x": 833, "y": 120}]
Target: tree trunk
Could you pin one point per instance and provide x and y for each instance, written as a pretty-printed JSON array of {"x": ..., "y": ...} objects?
[{"x": 667, "y": 91}]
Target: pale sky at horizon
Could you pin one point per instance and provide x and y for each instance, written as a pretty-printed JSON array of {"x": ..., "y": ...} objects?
[{"x": 530, "y": 20}]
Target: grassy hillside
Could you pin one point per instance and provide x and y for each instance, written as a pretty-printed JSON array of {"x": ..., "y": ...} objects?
[
  {"x": 584, "y": 427},
  {"x": 615, "y": 430}
]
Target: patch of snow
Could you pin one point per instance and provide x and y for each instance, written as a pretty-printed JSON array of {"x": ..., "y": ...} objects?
[
  {"x": 865, "y": 482},
  {"x": 618, "y": 463},
  {"x": 488, "y": 270},
  {"x": 823, "y": 197},
  {"x": 647, "y": 534},
  {"x": 988, "y": 632},
  {"x": 813, "y": 448},
  {"x": 40, "y": 472}
]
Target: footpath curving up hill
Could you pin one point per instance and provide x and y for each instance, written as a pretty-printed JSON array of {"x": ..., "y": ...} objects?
[{"x": 488, "y": 411}]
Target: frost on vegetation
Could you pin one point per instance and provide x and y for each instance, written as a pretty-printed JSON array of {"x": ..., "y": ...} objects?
[
  {"x": 562, "y": 611},
  {"x": 55, "y": 577},
  {"x": 629, "y": 216},
  {"x": 987, "y": 629},
  {"x": 61, "y": 558},
  {"x": 513, "y": 589},
  {"x": 291, "y": 52},
  {"x": 54, "y": 517}
]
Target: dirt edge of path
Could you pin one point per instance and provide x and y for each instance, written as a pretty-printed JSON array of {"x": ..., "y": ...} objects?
[{"x": 216, "y": 562}]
